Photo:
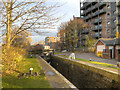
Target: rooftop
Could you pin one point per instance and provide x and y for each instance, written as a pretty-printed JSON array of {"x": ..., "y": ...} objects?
[{"x": 110, "y": 41}]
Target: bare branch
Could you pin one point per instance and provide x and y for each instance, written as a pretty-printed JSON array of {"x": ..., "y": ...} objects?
[
  {"x": 4, "y": 3},
  {"x": 27, "y": 16}
]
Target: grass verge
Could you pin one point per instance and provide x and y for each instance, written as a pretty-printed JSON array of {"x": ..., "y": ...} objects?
[
  {"x": 96, "y": 63},
  {"x": 57, "y": 53},
  {"x": 12, "y": 81}
]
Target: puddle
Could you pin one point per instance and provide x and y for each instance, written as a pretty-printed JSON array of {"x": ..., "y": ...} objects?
[{"x": 50, "y": 73}]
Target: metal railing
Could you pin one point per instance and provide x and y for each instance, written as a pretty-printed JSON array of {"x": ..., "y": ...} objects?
[
  {"x": 102, "y": 11},
  {"x": 98, "y": 12},
  {"x": 97, "y": 20}
]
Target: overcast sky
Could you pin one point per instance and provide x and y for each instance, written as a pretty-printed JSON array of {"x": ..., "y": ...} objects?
[{"x": 70, "y": 8}]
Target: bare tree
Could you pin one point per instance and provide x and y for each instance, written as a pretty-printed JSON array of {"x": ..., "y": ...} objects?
[
  {"x": 73, "y": 31},
  {"x": 22, "y": 40},
  {"x": 62, "y": 26},
  {"x": 89, "y": 41},
  {"x": 27, "y": 16},
  {"x": 61, "y": 30}
]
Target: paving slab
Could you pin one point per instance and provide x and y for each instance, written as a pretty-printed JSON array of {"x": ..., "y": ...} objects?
[{"x": 55, "y": 79}]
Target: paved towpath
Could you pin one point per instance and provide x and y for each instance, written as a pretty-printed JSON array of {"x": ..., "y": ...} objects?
[
  {"x": 55, "y": 79},
  {"x": 91, "y": 56}
]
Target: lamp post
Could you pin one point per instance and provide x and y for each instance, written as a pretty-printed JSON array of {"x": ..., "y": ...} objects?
[{"x": 31, "y": 69}]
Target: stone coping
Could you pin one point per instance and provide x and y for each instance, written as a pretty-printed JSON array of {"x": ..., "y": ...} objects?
[{"x": 105, "y": 71}]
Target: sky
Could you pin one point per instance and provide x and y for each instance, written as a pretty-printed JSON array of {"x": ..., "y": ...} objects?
[{"x": 70, "y": 8}]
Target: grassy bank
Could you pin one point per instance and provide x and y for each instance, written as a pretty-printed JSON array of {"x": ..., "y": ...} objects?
[
  {"x": 95, "y": 62},
  {"x": 12, "y": 81}
]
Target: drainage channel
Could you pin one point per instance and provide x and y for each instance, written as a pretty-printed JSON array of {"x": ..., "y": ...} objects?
[{"x": 80, "y": 77}]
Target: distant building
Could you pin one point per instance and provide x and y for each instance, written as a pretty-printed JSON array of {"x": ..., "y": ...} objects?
[
  {"x": 108, "y": 48},
  {"x": 79, "y": 36},
  {"x": 57, "y": 43},
  {"x": 40, "y": 47},
  {"x": 47, "y": 41},
  {"x": 61, "y": 36},
  {"x": 51, "y": 41},
  {"x": 103, "y": 18},
  {"x": 42, "y": 42},
  {"x": 81, "y": 33}
]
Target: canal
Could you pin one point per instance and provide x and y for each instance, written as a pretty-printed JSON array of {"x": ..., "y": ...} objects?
[{"x": 80, "y": 76}]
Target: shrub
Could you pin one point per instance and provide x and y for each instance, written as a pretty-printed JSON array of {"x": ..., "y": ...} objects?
[
  {"x": 93, "y": 50},
  {"x": 11, "y": 58}
]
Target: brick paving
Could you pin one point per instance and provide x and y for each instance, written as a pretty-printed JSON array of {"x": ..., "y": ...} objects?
[{"x": 92, "y": 56}]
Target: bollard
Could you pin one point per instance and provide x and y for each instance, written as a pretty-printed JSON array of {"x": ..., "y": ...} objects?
[
  {"x": 31, "y": 69},
  {"x": 90, "y": 59},
  {"x": 36, "y": 74},
  {"x": 118, "y": 64}
]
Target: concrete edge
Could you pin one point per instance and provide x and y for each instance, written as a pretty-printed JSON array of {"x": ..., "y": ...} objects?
[
  {"x": 67, "y": 81},
  {"x": 103, "y": 68}
]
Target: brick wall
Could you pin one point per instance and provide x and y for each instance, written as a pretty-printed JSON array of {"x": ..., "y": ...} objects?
[
  {"x": 117, "y": 55},
  {"x": 106, "y": 54},
  {"x": 99, "y": 43}
]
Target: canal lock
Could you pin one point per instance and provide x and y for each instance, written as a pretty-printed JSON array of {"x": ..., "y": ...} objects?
[{"x": 79, "y": 76}]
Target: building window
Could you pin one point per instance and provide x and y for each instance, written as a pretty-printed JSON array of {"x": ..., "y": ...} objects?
[
  {"x": 108, "y": 14},
  {"x": 114, "y": 12},
  {"x": 114, "y": 21},
  {"x": 108, "y": 6},
  {"x": 100, "y": 33},
  {"x": 96, "y": 27},
  {"x": 108, "y": 31},
  {"x": 100, "y": 17},
  {"x": 108, "y": 22}
]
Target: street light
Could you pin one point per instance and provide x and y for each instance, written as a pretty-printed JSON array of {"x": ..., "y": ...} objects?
[{"x": 31, "y": 69}]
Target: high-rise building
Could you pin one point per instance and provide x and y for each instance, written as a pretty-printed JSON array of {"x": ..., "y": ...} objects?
[
  {"x": 103, "y": 19},
  {"x": 61, "y": 36},
  {"x": 50, "y": 41}
]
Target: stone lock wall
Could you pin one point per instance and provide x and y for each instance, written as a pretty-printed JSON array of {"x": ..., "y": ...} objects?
[{"x": 83, "y": 76}]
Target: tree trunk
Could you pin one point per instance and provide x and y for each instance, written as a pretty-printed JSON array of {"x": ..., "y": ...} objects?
[
  {"x": 73, "y": 50},
  {"x": 73, "y": 47},
  {"x": 9, "y": 24}
]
